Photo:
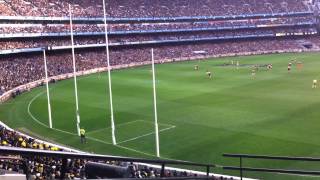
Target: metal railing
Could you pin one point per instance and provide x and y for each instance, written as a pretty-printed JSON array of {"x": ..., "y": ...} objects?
[
  {"x": 71, "y": 155},
  {"x": 86, "y": 20},
  {"x": 242, "y": 169}
]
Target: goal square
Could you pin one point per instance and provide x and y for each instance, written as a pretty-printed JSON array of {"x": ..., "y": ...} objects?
[{"x": 128, "y": 131}]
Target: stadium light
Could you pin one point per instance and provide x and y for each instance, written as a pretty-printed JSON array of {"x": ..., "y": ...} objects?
[
  {"x": 74, "y": 73},
  {"x": 47, "y": 86},
  {"x": 113, "y": 129}
]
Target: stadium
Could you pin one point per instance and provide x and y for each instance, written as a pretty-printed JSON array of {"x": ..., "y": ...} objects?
[{"x": 159, "y": 89}]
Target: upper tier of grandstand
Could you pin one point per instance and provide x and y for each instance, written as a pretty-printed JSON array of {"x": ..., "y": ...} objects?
[
  {"x": 127, "y": 28},
  {"x": 147, "y": 8},
  {"x": 286, "y": 32}
]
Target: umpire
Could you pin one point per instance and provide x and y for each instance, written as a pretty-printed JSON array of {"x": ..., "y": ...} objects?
[{"x": 83, "y": 136}]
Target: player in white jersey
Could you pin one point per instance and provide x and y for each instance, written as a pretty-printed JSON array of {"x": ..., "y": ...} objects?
[
  {"x": 196, "y": 67},
  {"x": 314, "y": 83},
  {"x": 209, "y": 74},
  {"x": 253, "y": 73}
]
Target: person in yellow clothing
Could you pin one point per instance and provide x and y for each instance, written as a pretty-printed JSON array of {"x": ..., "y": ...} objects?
[
  {"x": 54, "y": 149},
  {"x": 23, "y": 144},
  {"x": 83, "y": 136},
  {"x": 41, "y": 146}
]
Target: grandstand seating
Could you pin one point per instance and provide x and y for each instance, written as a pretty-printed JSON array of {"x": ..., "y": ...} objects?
[
  {"x": 284, "y": 35},
  {"x": 145, "y": 8},
  {"x": 60, "y": 28},
  {"x": 68, "y": 165},
  {"x": 16, "y": 70},
  {"x": 35, "y": 42}
]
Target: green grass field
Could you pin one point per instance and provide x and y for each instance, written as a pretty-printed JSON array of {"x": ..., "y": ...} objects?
[{"x": 277, "y": 113}]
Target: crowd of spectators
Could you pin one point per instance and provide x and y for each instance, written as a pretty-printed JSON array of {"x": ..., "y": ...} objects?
[
  {"x": 60, "y": 28},
  {"x": 146, "y": 8},
  {"x": 8, "y": 44},
  {"x": 35, "y": 167},
  {"x": 15, "y": 71},
  {"x": 41, "y": 168},
  {"x": 18, "y": 70}
]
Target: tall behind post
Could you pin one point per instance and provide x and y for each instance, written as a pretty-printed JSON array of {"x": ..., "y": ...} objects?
[
  {"x": 155, "y": 106},
  {"x": 113, "y": 129},
  {"x": 74, "y": 73},
  {"x": 47, "y": 86}
]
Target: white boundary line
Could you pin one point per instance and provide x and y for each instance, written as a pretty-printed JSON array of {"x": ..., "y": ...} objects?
[
  {"x": 30, "y": 114},
  {"x": 35, "y": 119},
  {"x": 39, "y": 122},
  {"x": 94, "y": 139},
  {"x": 108, "y": 143},
  {"x": 97, "y": 140}
]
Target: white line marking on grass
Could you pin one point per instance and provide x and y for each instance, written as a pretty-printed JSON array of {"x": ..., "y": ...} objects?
[
  {"x": 39, "y": 122},
  {"x": 117, "y": 125},
  {"x": 122, "y": 147},
  {"x": 97, "y": 130},
  {"x": 94, "y": 139},
  {"x": 31, "y": 115},
  {"x": 130, "y": 149},
  {"x": 138, "y": 137},
  {"x": 67, "y": 132},
  {"x": 130, "y": 122},
  {"x": 151, "y": 122},
  {"x": 98, "y": 140},
  {"x": 301, "y": 175}
]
